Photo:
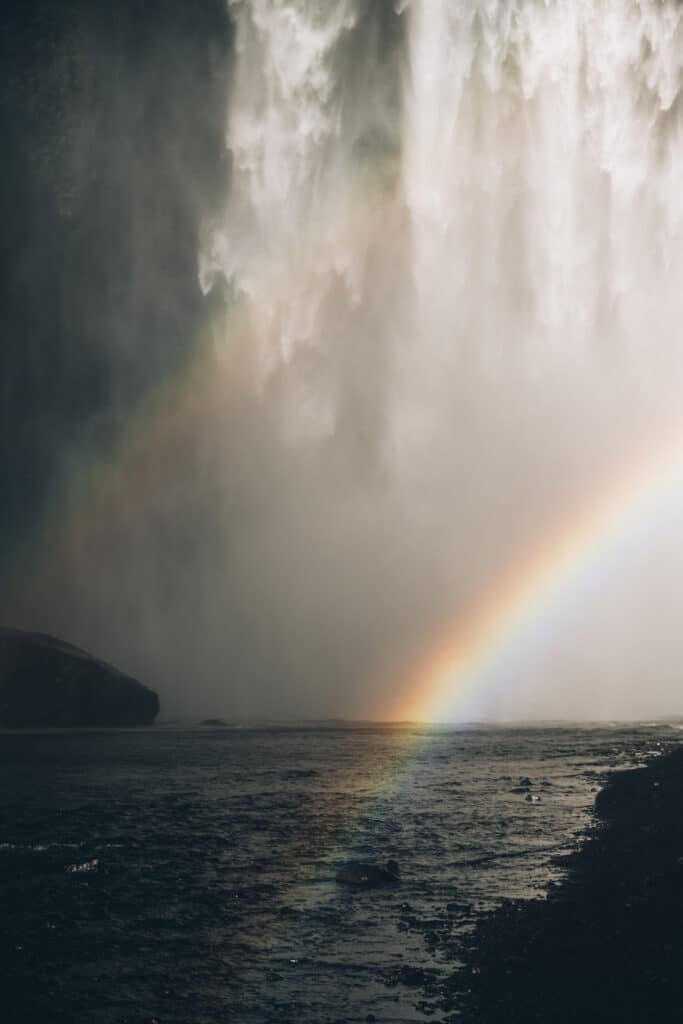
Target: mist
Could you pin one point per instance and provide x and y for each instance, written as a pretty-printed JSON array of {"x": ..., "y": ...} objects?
[{"x": 318, "y": 320}]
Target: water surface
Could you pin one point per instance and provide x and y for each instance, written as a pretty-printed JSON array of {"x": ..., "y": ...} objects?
[{"x": 213, "y": 895}]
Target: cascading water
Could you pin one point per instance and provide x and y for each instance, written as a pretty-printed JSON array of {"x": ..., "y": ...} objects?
[
  {"x": 535, "y": 150},
  {"x": 451, "y": 244},
  {"x": 544, "y": 137},
  {"x": 295, "y": 225},
  {"x": 445, "y": 271}
]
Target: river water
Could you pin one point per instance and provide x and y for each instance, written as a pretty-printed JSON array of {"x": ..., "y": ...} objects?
[{"x": 188, "y": 874}]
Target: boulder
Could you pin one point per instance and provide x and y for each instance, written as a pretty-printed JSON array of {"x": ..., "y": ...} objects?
[
  {"x": 368, "y": 875},
  {"x": 45, "y": 682}
]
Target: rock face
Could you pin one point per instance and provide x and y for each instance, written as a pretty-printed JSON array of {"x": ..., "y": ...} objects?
[{"x": 45, "y": 682}]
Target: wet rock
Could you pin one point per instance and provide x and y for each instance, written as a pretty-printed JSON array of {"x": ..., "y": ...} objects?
[
  {"x": 45, "y": 682},
  {"x": 357, "y": 873},
  {"x": 413, "y": 977}
]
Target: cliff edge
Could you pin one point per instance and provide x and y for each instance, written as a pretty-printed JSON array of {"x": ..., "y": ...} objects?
[{"x": 45, "y": 682}]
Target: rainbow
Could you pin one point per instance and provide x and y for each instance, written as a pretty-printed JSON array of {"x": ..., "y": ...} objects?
[
  {"x": 528, "y": 596},
  {"x": 479, "y": 641},
  {"x": 218, "y": 363},
  {"x": 525, "y": 600},
  {"x": 103, "y": 481}
]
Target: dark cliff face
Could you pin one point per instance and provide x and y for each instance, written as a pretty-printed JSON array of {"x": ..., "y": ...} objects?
[
  {"x": 112, "y": 121},
  {"x": 47, "y": 683}
]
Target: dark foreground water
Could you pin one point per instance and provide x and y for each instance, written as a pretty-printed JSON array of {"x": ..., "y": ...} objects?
[{"x": 187, "y": 875}]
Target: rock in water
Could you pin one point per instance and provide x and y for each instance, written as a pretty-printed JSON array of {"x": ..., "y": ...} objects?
[
  {"x": 367, "y": 875},
  {"x": 45, "y": 682}
]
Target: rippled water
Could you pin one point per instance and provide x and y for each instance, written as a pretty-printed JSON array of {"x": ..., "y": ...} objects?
[{"x": 202, "y": 864}]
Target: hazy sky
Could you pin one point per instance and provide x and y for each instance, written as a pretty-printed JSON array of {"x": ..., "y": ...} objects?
[{"x": 324, "y": 324}]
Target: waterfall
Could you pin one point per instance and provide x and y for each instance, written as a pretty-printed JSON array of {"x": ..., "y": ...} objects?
[
  {"x": 512, "y": 167},
  {"x": 441, "y": 250},
  {"x": 450, "y": 259},
  {"x": 542, "y": 146}
]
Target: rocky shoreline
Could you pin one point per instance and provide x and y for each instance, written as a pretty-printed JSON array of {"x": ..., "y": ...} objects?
[{"x": 606, "y": 944}]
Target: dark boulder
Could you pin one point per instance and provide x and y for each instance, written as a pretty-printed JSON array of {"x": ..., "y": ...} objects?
[
  {"x": 45, "y": 682},
  {"x": 368, "y": 875}
]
